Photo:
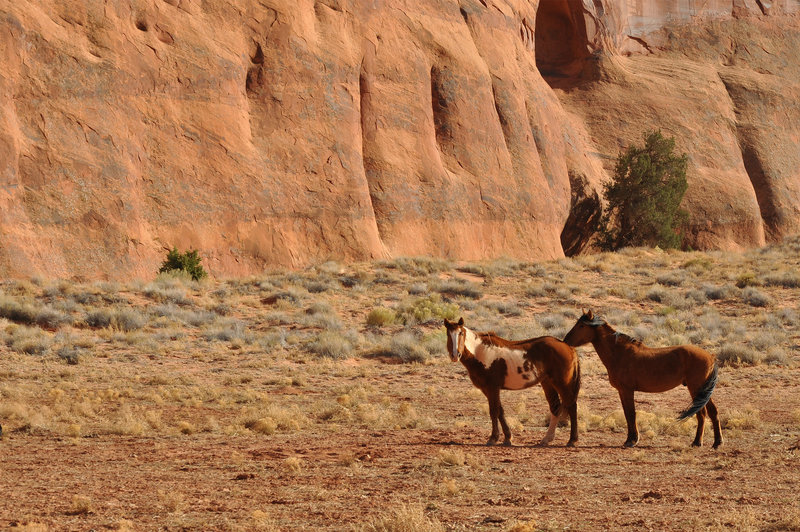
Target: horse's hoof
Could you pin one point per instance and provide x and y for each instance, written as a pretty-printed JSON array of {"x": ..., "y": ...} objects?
[
  {"x": 716, "y": 444},
  {"x": 629, "y": 443},
  {"x": 506, "y": 443},
  {"x": 571, "y": 443},
  {"x": 696, "y": 444},
  {"x": 491, "y": 443}
]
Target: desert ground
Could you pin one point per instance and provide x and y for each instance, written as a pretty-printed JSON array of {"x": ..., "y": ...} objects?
[{"x": 323, "y": 399}]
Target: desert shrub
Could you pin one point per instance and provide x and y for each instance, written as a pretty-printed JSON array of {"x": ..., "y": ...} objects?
[
  {"x": 98, "y": 319},
  {"x": 418, "y": 265},
  {"x": 776, "y": 355},
  {"x": 507, "y": 308},
  {"x": 426, "y": 310},
  {"x": 29, "y": 340},
  {"x": 163, "y": 294},
  {"x": 322, "y": 320},
  {"x": 657, "y": 294},
  {"x": 748, "y": 418},
  {"x": 417, "y": 289},
  {"x": 644, "y": 196},
  {"x": 405, "y": 347},
  {"x": 717, "y": 292},
  {"x": 402, "y": 518},
  {"x": 292, "y": 294},
  {"x": 123, "y": 319},
  {"x": 460, "y": 287},
  {"x": 535, "y": 289},
  {"x": 747, "y": 279},
  {"x": 698, "y": 264},
  {"x": 227, "y": 331},
  {"x": 784, "y": 280},
  {"x": 755, "y": 298},
  {"x": 188, "y": 262},
  {"x": 28, "y": 314},
  {"x": 675, "y": 278},
  {"x": 69, "y": 354},
  {"x": 698, "y": 296},
  {"x": 331, "y": 344},
  {"x": 738, "y": 355},
  {"x": 380, "y": 316},
  {"x": 127, "y": 319},
  {"x": 318, "y": 286}
]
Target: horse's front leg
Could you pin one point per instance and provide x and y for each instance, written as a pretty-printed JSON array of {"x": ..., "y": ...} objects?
[
  {"x": 498, "y": 419},
  {"x": 628, "y": 406}
]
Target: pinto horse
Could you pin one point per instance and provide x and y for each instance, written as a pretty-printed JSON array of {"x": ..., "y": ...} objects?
[
  {"x": 495, "y": 364},
  {"x": 634, "y": 367}
]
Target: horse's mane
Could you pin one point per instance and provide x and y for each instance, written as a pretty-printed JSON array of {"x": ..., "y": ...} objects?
[
  {"x": 628, "y": 338},
  {"x": 617, "y": 335},
  {"x": 622, "y": 336},
  {"x": 491, "y": 338}
]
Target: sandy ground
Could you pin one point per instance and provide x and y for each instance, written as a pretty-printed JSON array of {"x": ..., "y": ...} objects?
[{"x": 345, "y": 476}]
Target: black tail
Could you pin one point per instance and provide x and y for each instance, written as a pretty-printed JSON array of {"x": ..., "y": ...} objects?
[
  {"x": 576, "y": 380},
  {"x": 702, "y": 397}
]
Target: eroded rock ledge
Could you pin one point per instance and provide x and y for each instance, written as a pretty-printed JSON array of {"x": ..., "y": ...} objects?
[{"x": 293, "y": 131}]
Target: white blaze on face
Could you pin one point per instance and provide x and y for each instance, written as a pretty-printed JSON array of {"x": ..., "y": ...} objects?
[{"x": 454, "y": 343}]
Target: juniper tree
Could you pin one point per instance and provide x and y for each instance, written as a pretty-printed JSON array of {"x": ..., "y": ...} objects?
[{"x": 644, "y": 196}]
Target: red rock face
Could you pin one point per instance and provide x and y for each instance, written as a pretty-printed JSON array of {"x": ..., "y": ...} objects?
[{"x": 290, "y": 132}]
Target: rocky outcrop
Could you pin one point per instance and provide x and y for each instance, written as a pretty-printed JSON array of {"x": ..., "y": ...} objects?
[{"x": 292, "y": 131}]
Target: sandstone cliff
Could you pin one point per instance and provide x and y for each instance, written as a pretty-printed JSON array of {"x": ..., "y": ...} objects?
[{"x": 292, "y": 131}]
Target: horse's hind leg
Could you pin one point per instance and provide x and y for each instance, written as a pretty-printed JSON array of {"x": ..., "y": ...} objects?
[
  {"x": 701, "y": 422},
  {"x": 555, "y": 411},
  {"x": 711, "y": 408}
]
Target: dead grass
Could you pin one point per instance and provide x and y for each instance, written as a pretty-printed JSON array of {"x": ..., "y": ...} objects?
[{"x": 402, "y": 518}]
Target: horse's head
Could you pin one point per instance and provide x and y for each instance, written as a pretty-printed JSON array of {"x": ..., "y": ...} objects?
[
  {"x": 584, "y": 330},
  {"x": 456, "y": 334}
]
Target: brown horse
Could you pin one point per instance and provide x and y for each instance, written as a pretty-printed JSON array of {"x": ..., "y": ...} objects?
[
  {"x": 494, "y": 363},
  {"x": 634, "y": 367}
]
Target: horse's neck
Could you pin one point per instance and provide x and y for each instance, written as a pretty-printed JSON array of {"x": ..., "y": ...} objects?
[
  {"x": 604, "y": 342},
  {"x": 472, "y": 342}
]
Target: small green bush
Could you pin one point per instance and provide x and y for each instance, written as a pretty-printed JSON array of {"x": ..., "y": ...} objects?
[
  {"x": 644, "y": 197},
  {"x": 378, "y": 317},
  {"x": 747, "y": 279},
  {"x": 426, "y": 310},
  {"x": 188, "y": 262}
]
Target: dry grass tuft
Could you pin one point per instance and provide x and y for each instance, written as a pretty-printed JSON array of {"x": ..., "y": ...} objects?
[
  {"x": 292, "y": 465},
  {"x": 81, "y": 505},
  {"x": 523, "y": 526},
  {"x": 448, "y": 458},
  {"x": 747, "y": 418},
  {"x": 172, "y": 501},
  {"x": 403, "y": 518}
]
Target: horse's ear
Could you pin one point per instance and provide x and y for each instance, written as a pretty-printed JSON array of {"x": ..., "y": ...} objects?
[
  {"x": 461, "y": 322},
  {"x": 447, "y": 323},
  {"x": 590, "y": 315}
]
